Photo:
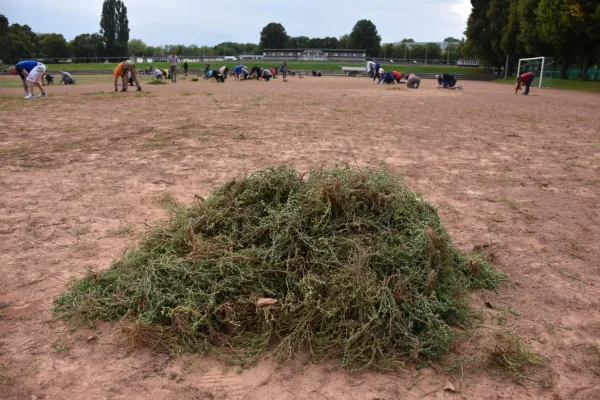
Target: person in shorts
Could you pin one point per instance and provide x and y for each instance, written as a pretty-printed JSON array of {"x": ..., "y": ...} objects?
[
  {"x": 173, "y": 64},
  {"x": 413, "y": 81},
  {"x": 122, "y": 71},
  {"x": 31, "y": 73}
]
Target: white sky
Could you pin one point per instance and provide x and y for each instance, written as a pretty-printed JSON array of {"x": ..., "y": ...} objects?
[{"x": 187, "y": 22}]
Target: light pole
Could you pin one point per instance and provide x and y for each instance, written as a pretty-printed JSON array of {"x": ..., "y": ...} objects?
[{"x": 405, "y": 46}]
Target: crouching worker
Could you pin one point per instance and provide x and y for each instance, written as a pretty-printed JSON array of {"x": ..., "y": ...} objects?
[
  {"x": 413, "y": 81},
  {"x": 447, "y": 81},
  {"x": 49, "y": 79},
  {"x": 66, "y": 78},
  {"x": 157, "y": 74},
  {"x": 31, "y": 73},
  {"x": 387, "y": 78},
  {"x": 526, "y": 79},
  {"x": 122, "y": 71},
  {"x": 397, "y": 76}
]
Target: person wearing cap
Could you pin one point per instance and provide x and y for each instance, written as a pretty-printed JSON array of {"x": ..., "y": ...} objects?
[
  {"x": 526, "y": 79},
  {"x": 173, "y": 64},
  {"x": 121, "y": 71},
  {"x": 31, "y": 73}
]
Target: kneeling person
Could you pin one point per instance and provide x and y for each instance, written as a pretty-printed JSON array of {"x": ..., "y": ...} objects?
[{"x": 413, "y": 81}]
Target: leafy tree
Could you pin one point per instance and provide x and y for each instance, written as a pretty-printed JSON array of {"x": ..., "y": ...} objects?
[
  {"x": 451, "y": 39},
  {"x": 387, "y": 50},
  {"x": 417, "y": 52},
  {"x": 137, "y": 47},
  {"x": 299, "y": 42},
  {"x": 4, "y": 28},
  {"x": 407, "y": 41},
  {"x": 274, "y": 36},
  {"x": 331, "y": 43},
  {"x": 434, "y": 51},
  {"x": 400, "y": 51},
  {"x": 52, "y": 45},
  {"x": 479, "y": 34},
  {"x": 122, "y": 38},
  {"x": 114, "y": 27},
  {"x": 344, "y": 42},
  {"x": 364, "y": 36},
  {"x": 86, "y": 45}
]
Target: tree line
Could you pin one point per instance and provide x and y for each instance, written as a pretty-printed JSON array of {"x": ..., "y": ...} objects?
[
  {"x": 112, "y": 40},
  {"x": 567, "y": 30}
]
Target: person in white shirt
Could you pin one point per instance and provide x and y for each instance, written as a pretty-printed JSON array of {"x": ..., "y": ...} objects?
[{"x": 173, "y": 63}]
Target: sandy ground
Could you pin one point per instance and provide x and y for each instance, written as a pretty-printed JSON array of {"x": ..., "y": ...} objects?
[{"x": 83, "y": 172}]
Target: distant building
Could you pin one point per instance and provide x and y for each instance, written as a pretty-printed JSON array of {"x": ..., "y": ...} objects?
[
  {"x": 443, "y": 45},
  {"x": 252, "y": 57},
  {"x": 348, "y": 55}
]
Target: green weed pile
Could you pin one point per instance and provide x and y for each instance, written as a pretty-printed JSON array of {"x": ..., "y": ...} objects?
[{"x": 341, "y": 262}]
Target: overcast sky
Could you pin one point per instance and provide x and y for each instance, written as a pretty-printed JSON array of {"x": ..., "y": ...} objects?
[{"x": 187, "y": 21}]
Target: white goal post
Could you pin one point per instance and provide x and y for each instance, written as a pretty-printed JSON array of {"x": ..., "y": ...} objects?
[{"x": 541, "y": 72}]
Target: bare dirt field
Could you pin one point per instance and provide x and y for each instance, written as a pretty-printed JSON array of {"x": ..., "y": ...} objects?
[{"x": 82, "y": 174}]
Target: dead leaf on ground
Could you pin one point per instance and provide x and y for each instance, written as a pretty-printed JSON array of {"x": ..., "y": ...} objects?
[
  {"x": 263, "y": 302},
  {"x": 449, "y": 387}
]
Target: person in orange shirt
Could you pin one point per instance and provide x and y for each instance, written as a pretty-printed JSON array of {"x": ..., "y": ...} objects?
[
  {"x": 122, "y": 70},
  {"x": 397, "y": 76}
]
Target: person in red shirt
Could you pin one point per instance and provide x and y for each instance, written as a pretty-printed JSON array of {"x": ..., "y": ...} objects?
[
  {"x": 526, "y": 79},
  {"x": 397, "y": 76}
]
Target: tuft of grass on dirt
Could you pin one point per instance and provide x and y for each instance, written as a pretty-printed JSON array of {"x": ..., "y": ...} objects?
[
  {"x": 186, "y": 93},
  {"x": 341, "y": 262},
  {"x": 513, "y": 355},
  {"x": 59, "y": 348},
  {"x": 157, "y": 82},
  {"x": 121, "y": 230},
  {"x": 512, "y": 204}
]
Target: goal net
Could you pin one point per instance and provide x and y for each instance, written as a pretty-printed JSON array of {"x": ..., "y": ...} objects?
[{"x": 541, "y": 68}]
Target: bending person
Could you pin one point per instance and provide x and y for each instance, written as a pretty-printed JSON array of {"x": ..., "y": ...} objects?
[
  {"x": 527, "y": 79},
  {"x": 31, "y": 73},
  {"x": 122, "y": 69}
]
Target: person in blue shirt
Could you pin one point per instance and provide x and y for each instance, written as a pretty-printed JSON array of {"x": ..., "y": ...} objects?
[
  {"x": 237, "y": 70},
  {"x": 376, "y": 70},
  {"x": 31, "y": 73},
  {"x": 447, "y": 81}
]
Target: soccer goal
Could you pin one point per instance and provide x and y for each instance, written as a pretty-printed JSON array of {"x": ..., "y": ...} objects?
[{"x": 540, "y": 68}]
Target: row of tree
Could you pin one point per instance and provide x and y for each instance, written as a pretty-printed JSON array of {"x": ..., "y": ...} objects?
[
  {"x": 19, "y": 41},
  {"x": 568, "y": 30}
]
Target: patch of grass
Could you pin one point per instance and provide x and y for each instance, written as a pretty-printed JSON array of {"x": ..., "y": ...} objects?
[
  {"x": 558, "y": 269},
  {"x": 512, "y": 204},
  {"x": 7, "y": 379},
  {"x": 69, "y": 145},
  {"x": 346, "y": 262},
  {"x": 92, "y": 93},
  {"x": 60, "y": 348},
  {"x": 227, "y": 107},
  {"x": 83, "y": 230},
  {"x": 574, "y": 164},
  {"x": 513, "y": 355},
  {"x": 157, "y": 82},
  {"x": 591, "y": 356},
  {"x": 121, "y": 230},
  {"x": 208, "y": 94},
  {"x": 339, "y": 110}
]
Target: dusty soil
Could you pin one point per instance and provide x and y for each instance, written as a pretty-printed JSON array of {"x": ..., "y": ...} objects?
[{"x": 83, "y": 172}]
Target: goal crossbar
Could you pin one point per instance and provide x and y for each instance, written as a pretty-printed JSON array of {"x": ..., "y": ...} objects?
[{"x": 541, "y": 71}]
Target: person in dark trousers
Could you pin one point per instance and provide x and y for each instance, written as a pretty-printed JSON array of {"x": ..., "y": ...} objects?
[
  {"x": 376, "y": 70},
  {"x": 526, "y": 79},
  {"x": 447, "y": 81},
  {"x": 185, "y": 68}
]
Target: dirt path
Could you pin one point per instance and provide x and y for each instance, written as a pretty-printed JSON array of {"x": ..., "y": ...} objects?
[{"x": 82, "y": 173}]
